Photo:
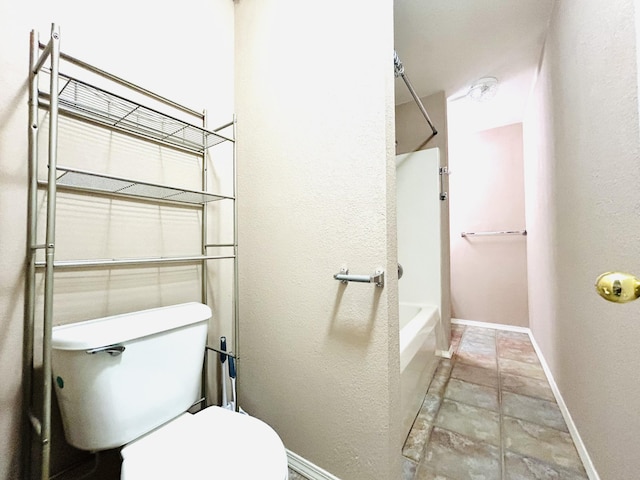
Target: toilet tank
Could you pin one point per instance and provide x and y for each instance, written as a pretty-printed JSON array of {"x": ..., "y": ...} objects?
[{"x": 119, "y": 377}]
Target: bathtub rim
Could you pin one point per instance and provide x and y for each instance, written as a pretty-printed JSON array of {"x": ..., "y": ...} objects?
[{"x": 416, "y": 330}]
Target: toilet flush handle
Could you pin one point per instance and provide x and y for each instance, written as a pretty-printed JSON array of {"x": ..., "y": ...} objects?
[{"x": 113, "y": 350}]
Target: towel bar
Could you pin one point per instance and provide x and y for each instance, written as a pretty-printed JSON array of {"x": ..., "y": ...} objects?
[
  {"x": 486, "y": 234},
  {"x": 377, "y": 278}
]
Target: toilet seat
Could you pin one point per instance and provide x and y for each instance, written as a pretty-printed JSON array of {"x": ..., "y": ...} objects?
[{"x": 215, "y": 443}]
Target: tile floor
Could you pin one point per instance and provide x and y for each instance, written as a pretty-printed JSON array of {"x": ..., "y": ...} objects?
[{"x": 489, "y": 414}]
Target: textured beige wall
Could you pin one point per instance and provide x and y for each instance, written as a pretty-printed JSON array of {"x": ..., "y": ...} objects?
[
  {"x": 319, "y": 360},
  {"x": 168, "y": 51},
  {"x": 488, "y": 274},
  {"x": 582, "y": 149},
  {"x": 412, "y": 134}
]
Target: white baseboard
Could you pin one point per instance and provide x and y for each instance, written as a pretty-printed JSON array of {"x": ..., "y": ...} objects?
[
  {"x": 308, "y": 469},
  {"x": 495, "y": 326},
  {"x": 573, "y": 430}
]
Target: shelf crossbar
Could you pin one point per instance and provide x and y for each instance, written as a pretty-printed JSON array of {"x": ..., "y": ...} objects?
[
  {"x": 108, "y": 262},
  {"x": 74, "y": 178}
]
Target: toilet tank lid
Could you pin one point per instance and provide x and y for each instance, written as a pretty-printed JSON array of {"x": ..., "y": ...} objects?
[{"x": 101, "y": 332}]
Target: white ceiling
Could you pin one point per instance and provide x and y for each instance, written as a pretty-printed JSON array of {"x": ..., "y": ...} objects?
[{"x": 449, "y": 44}]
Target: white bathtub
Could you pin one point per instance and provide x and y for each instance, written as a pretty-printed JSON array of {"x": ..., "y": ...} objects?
[{"x": 417, "y": 357}]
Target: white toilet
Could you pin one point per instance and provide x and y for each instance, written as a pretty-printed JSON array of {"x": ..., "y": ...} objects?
[{"x": 128, "y": 380}]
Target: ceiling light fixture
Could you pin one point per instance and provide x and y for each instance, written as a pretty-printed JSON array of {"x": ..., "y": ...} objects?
[{"x": 484, "y": 89}]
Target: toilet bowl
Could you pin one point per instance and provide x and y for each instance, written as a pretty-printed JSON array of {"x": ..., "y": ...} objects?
[
  {"x": 129, "y": 380},
  {"x": 215, "y": 443}
]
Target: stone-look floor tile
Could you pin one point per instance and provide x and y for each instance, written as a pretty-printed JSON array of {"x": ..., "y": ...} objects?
[
  {"x": 473, "y": 422},
  {"x": 426, "y": 473},
  {"x": 514, "y": 338},
  {"x": 472, "y": 374},
  {"x": 413, "y": 448},
  {"x": 547, "y": 444},
  {"x": 478, "y": 344},
  {"x": 533, "y": 387},
  {"x": 518, "y": 467},
  {"x": 444, "y": 368},
  {"x": 521, "y": 336},
  {"x": 293, "y": 475},
  {"x": 472, "y": 394},
  {"x": 416, "y": 440},
  {"x": 455, "y": 344},
  {"x": 440, "y": 377},
  {"x": 516, "y": 350},
  {"x": 481, "y": 346},
  {"x": 408, "y": 469},
  {"x": 438, "y": 385},
  {"x": 456, "y": 329},
  {"x": 474, "y": 348},
  {"x": 513, "y": 367},
  {"x": 532, "y": 451},
  {"x": 456, "y": 333},
  {"x": 429, "y": 408},
  {"x": 479, "y": 334},
  {"x": 476, "y": 359},
  {"x": 479, "y": 331},
  {"x": 533, "y": 410},
  {"x": 456, "y": 456},
  {"x": 419, "y": 433}
]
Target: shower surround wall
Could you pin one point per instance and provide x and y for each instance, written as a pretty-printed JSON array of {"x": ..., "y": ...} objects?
[
  {"x": 320, "y": 360},
  {"x": 418, "y": 189},
  {"x": 582, "y": 144},
  {"x": 137, "y": 50}
]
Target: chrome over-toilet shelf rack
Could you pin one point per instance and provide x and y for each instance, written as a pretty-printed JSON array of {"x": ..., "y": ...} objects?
[{"x": 72, "y": 97}]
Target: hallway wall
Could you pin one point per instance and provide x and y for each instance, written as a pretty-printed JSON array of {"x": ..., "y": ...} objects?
[
  {"x": 488, "y": 274},
  {"x": 316, "y": 186},
  {"x": 582, "y": 144}
]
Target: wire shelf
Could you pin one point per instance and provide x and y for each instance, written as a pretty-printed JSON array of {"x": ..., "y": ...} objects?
[
  {"x": 110, "y": 110},
  {"x": 129, "y": 262},
  {"x": 84, "y": 180}
]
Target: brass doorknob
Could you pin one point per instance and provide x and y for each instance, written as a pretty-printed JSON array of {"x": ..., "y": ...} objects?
[{"x": 618, "y": 287}]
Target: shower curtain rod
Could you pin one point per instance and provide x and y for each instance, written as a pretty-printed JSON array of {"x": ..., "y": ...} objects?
[{"x": 399, "y": 72}]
